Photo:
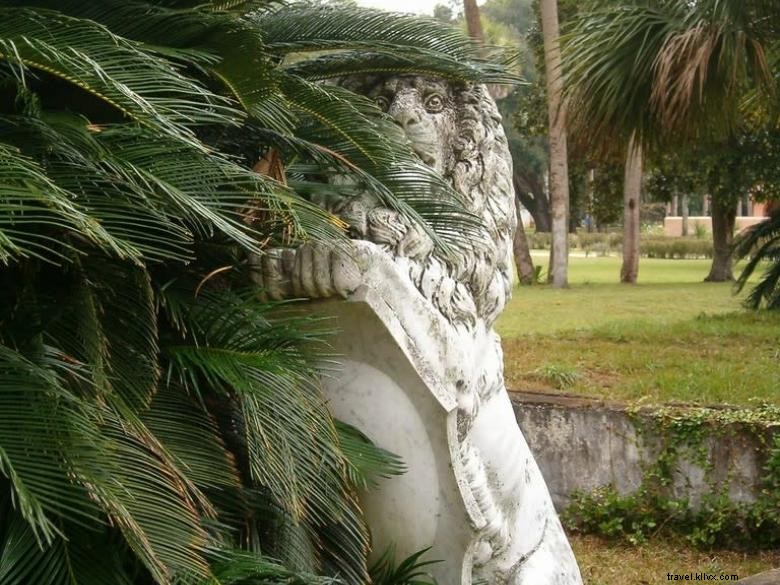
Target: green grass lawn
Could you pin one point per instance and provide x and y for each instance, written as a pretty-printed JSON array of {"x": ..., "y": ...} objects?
[
  {"x": 670, "y": 338},
  {"x": 607, "y": 563}
]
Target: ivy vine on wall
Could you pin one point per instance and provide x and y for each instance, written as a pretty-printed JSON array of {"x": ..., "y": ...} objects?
[{"x": 715, "y": 521}]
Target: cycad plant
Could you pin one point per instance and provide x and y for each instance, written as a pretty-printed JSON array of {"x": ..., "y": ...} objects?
[{"x": 159, "y": 424}]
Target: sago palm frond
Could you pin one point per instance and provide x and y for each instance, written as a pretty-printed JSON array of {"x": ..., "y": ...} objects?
[
  {"x": 35, "y": 209},
  {"x": 75, "y": 452},
  {"x": 240, "y": 567},
  {"x": 409, "y": 571},
  {"x": 377, "y": 154},
  {"x": 217, "y": 39},
  {"x": 24, "y": 560},
  {"x": 160, "y": 424},
  {"x": 300, "y": 27},
  {"x": 760, "y": 245},
  {"x": 288, "y": 441},
  {"x": 41, "y": 424},
  {"x": 402, "y": 42},
  {"x": 367, "y": 464},
  {"x": 87, "y": 56},
  {"x": 192, "y": 435}
]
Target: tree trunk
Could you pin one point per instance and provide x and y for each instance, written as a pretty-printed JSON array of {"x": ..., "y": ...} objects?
[
  {"x": 675, "y": 207},
  {"x": 705, "y": 205},
  {"x": 632, "y": 189},
  {"x": 685, "y": 214},
  {"x": 724, "y": 217},
  {"x": 473, "y": 22},
  {"x": 523, "y": 261},
  {"x": 559, "y": 169},
  {"x": 591, "y": 181},
  {"x": 530, "y": 190}
]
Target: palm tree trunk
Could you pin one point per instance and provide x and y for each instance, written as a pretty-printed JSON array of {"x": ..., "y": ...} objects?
[
  {"x": 724, "y": 217},
  {"x": 685, "y": 214},
  {"x": 632, "y": 189},
  {"x": 559, "y": 169},
  {"x": 523, "y": 261},
  {"x": 591, "y": 193},
  {"x": 473, "y": 22}
]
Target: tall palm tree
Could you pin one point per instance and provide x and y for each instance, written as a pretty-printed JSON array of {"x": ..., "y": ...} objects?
[
  {"x": 559, "y": 164},
  {"x": 632, "y": 189},
  {"x": 159, "y": 424},
  {"x": 671, "y": 73}
]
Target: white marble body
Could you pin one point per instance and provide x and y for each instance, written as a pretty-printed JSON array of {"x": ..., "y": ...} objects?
[{"x": 422, "y": 368}]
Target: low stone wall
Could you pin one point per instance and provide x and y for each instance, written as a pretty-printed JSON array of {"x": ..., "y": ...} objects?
[{"x": 583, "y": 444}]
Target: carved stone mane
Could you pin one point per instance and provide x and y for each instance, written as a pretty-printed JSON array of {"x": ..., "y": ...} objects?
[{"x": 456, "y": 129}]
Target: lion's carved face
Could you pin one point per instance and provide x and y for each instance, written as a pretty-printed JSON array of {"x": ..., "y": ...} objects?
[{"x": 425, "y": 109}]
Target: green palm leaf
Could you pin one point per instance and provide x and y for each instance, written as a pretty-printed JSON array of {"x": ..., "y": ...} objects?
[
  {"x": 284, "y": 431},
  {"x": 300, "y": 27},
  {"x": 42, "y": 423},
  {"x": 88, "y": 557},
  {"x": 760, "y": 245},
  {"x": 88, "y": 56},
  {"x": 33, "y": 209},
  {"x": 192, "y": 435},
  {"x": 367, "y": 464},
  {"x": 671, "y": 66},
  {"x": 109, "y": 173}
]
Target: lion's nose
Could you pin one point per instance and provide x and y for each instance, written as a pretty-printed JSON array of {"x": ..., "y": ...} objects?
[
  {"x": 405, "y": 110},
  {"x": 406, "y": 117}
]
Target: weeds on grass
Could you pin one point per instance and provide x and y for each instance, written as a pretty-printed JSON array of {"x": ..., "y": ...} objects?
[{"x": 560, "y": 376}]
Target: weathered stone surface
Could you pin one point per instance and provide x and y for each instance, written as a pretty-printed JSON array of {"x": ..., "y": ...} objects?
[
  {"x": 768, "y": 578},
  {"x": 581, "y": 444},
  {"x": 421, "y": 371}
]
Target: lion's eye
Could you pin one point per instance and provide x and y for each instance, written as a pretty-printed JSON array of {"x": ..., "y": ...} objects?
[
  {"x": 434, "y": 103},
  {"x": 382, "y": 102}
]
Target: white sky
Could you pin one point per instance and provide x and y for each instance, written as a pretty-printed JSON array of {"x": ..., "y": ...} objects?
[{"x": 416, "y": 6}]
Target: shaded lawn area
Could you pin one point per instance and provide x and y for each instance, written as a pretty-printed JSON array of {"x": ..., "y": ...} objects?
[
  {"x": 671, "y": 338},
  {"x": 607, "y": 563}
]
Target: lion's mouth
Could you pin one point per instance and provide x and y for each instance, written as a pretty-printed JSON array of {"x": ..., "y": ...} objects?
[{"x": 428, "y": 157}]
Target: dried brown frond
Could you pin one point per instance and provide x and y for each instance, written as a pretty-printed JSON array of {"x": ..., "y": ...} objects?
[
  {"x": 681, "y": 73},
  {"x": 270, "y": 165}
]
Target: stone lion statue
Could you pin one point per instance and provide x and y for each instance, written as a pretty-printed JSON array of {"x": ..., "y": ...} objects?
[{"x": 422, "y": 372}]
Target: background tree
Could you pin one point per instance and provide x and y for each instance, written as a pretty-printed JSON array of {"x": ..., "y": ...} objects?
[
  {"x": 672, "y": 73},
  {"x": 473, "y": 21},
  {"x": 528, "y": 108},
  {"x": 632, "y": 189},
  {"x": 559, "y": 169}
]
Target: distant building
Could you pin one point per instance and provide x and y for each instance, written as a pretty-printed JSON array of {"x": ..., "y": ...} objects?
[{"x": 749, "y": 213}]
